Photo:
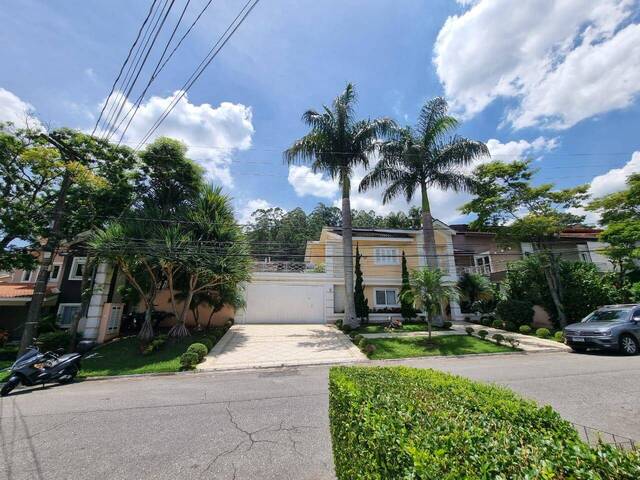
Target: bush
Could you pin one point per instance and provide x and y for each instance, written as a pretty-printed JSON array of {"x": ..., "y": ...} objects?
[
  {"x": 543, "y": 333},
  {"x": 510, "y": 327},
  {"x": 558, "y": 337},
  {"x": 497, "y": 323},
  {"x": 399, "y": 422},
  {"x": 53, "y": 341},
  {"x": 189, "y": 360},
  {"x": 339, "y": 323},
  {"x": 346, "y": 328},
  {"x": 446, "y": 325},
  {"x": 362, "y": 343},
  {"x": 499, "y": 338},
  {"x": 155, "y": 344},
  {"x": 199, "y": 349},
  {"x": 469, "y": 330},
  {"x": 518, "y": 312},
  {"x": 357, "y": 338},
  {"x": 525, "y": 329},
  {"x": 482, "y": 334},
  {"x": 47, "y": 324},
  {"x": 486, "y": 320},
  {"x": 207, "y": 342},
  {"x": 369, "y": 348}
]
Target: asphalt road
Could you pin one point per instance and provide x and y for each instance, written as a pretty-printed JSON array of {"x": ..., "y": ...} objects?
[{"x": 268, "y": 424}]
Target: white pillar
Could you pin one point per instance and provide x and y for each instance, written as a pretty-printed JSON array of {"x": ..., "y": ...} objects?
[{"x": 101, "y": 285}]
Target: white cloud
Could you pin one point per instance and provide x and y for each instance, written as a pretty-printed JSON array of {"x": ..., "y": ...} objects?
[
  {"x": 561, "y": 61},
  {"x": 244, "y": 213},
  {"x": 212, "y": 134},
  {"x": 305, "y": 182},
  {"x": 13, "y": 109},
  {"x": 518, "y": 149}
]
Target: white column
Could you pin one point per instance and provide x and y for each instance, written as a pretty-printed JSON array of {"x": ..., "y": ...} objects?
[{"x": 101, "y": 285}]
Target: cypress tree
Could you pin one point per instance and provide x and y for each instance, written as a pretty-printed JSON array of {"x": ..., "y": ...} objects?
[{"x": 362, "y": 304}]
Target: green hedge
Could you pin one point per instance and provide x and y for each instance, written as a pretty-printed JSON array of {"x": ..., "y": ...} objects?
[{"x": 402, "y": 423}]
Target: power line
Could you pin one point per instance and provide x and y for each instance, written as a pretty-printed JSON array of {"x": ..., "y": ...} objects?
[
  {"x": 113, "y": 86},
  {"x": 153, "y": 76},
  {"x": 139, "y": 70},
  {"x": 222, "y": 41}
]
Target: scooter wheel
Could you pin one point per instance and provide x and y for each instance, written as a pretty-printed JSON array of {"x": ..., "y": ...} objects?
[
  {"x": 12, "y": 383},
  {"x": 69, "y": 375}
]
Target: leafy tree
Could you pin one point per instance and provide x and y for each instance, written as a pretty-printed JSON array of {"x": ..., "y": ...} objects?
[
  {"x": 406, "y": 301},
  {"x": 323, "y": 216},
  {"x": 54, "y": 186},
  {"x": 474, "y": 288},
  {"x": 508, "y": 203},
  {"x": 362, "y": 304},
  {"x": 428, "y": 292},
  {"x": 423, "y": 157},
  {"x": 366, "y": 219},
  {"x": 336, "y": 144},
  {"x": 620, "y": 214}
]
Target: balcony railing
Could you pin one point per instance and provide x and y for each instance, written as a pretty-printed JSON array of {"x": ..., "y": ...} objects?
[
  {"x": 481, "y": 269},
  {"x": 287, "y": 267}
]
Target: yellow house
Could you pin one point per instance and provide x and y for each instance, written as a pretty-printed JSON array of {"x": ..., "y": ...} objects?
[{"x": 381, "y": 264}]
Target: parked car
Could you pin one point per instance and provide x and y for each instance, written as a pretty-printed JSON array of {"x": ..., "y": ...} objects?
[{"x": 612, "y": 327}]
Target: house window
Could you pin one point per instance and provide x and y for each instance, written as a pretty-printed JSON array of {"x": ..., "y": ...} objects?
[
  {"x": 55, "y": 272},
  {"x": 66, "y": 313},
  {"x": 386, "y": 297},
  {"x": 483, "y": 263},
  {"x": 77, "y": 268},
  {"x": 26, "y": 276},
  {"x": 387, "y": 256}
]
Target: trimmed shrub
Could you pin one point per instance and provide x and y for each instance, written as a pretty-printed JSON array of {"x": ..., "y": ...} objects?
[
  {"x": 525, "y": 329},
  {"x": 486, "y": 321},
  {"x": 510, "y": 327},
  {"x": 199, "y": 349},
  {"x": 369, "y": 348},
  {"x": 469, "y": 330},
  {"x": 519, "y": 312},
  {"x": 446, "y": 325},
  {"x": 499, "y": 338},
  {"x": 497, "y": 324},
  {"x": 53, "y": 341},
  {"x": 482, "y": 334},
  {"x": 543, "y": 333},
  {"x": 399, "y": 422},
  {"x": 558, "y": 337},
  {"x": 357, "y": 338},
  {"x": 362, "y": 343},
  {"x": 189, "y": 360},
  {"x": 207, "y": 342},
  {"x": 346, "y": 328},
  {"x": 339, "y": 323}
]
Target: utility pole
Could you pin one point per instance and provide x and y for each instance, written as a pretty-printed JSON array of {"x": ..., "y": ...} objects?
[{"x": 48, "y": 251}]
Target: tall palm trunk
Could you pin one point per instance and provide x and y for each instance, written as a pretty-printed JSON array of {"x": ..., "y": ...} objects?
[
  {"x": 428, "y": 234},
  {"x": 347, "y": 253}
]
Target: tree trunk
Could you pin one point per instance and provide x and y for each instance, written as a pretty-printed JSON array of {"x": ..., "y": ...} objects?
[
  {"x": 146, "y": 332},
  {"x": 347, "y": 253},
  {"x": 180, "y": 329},
  {"x": 552, "y": 276},
  {"x": 40, "y": 288},
  {"x": 428, "y": 234}
]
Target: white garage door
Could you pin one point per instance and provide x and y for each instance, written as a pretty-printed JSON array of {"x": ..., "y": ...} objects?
[{"x": 284, "y": 303}]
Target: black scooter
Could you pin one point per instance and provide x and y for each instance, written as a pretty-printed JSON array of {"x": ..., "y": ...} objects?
[{"x": 36, "y": 368}]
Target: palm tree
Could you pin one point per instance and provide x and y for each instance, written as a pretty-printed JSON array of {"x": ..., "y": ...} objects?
[
  {"x": 336, "y": 145},
  {"x": 423, "y": 157},
  {"x": 474, "y": 287},
  {"x": 428, "y": 292}
]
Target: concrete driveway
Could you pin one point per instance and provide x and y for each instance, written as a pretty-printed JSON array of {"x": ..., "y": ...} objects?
[{"x": 251, "y": 346}]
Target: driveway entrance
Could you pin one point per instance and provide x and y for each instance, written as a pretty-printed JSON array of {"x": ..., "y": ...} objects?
[{"x": 249, "y": 346}]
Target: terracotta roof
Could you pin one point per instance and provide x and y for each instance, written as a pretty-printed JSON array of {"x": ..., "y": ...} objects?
[{"x": 19, "y": 290}]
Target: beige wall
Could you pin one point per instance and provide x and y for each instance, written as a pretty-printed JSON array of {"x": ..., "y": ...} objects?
[{"x": 163, "y": 304}]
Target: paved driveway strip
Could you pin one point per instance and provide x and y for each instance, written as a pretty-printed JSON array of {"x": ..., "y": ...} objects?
[{"x": 251, "y": 346}]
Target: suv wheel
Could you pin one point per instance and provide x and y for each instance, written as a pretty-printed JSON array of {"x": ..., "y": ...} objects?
[{"x": 629, "y": 345}]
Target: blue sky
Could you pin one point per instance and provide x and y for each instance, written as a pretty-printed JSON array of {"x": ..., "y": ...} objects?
[{"x": 557, "y": 81}]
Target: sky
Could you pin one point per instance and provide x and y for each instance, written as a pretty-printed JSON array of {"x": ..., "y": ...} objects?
[{"x": 557, "y": 81}]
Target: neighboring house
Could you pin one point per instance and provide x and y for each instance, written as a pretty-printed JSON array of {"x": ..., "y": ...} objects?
[
  {"x": 313, "y": 291},
  {"x": 63, "y": 299},
  {"x": 578, "y": 244},
  {"x": 478, "y": 252}
]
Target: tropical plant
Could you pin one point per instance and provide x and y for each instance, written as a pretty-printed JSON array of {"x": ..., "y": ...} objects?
[
  {"x": 424, "y": 157},
  {"x": 429, "y": 292},
  {"x": 336, "y": 145},
  {"x": 406, "y": 302},
  {"x": 474, "y": 287}
]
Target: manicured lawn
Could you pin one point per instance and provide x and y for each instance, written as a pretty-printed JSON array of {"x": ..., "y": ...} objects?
[
  {"x": 123, "y": 357},
  {"x": 442, "y": 345},
  {"x": 407, "y": 327}
]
